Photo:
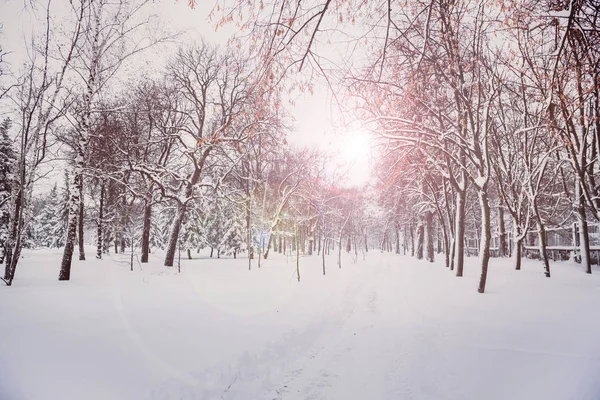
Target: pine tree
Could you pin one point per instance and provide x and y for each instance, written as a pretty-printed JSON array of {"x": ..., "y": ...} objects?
[
  {"x": 215, "y": 231},
  {"x": 193, "y": 232},
  {"x": 50, "y": 226},
  {"x": 233, "y": 241}
]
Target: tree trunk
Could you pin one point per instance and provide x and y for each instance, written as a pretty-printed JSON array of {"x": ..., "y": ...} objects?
[
  {"x": 445, "y": 239},
  {"x": 10, "y": 244},
  {"x": 297, "y": 255},
  {"x": 189, "y": 254},
  {"x": 502, "y": 233},
  {"x": 459, "y": 236},
  {"x": 323, "y": 254},
  {"x": 80, "y": 223},
  {"x": 486, "y": 236},
  {"x": 411, "y": 230},
  {"x": 211, "y": 251},
  {"x": 65, "y": 267},
  {"x": 429, "y": 253},
  {"x": 340, "y": 251},
  {"x": 266, "y": 255},
  {"x": 404, "y": 240},
  {"x": 420, "y": 240},
  {"x": 517, "y": 253},
  {"x": 100, "y": 240},
  {"x": 452, "y": 253},
  {"x": 146, "y": 232},
  {"x": 542, "y": 240},
  {"x": 249, "y": 232},
  {"x": 174, "y": 235},
  {"x": 397, "y": 240},
  {"x": 584, "y": 238}
]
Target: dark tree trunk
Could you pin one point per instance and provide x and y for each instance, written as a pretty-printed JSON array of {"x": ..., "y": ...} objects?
[
  {"x": 174, "y": 236},
  {"x": 411, "y": 231},
  {"x": 397, "y": 230},
  {"x": 517, "y": 255},
  {"x": 65, "y": 267},
  {"x": 80, "y": 223},
  {"x": 459, "y": 237},
  {"x": 404, "y": 240},
  {"x": 266, "y": 255},
  {"x": 486, "y": 236},
  {"x": 182, "y": 208},
  {"x": 584, "y": 238},
  {"x": 502, "y": 233},
  {"x": 211, "y": 251},
  {"x": 249, "y": 231},
  {"x": 323, "y": 254},
  {"x": 100, "y": 241},
  {"x": 189, "y": 254},
  {"x": 452, "y": 252},
  {"x": 420, "y": 240},
  {"x": 297, "y": 254},
  {"x": 542, "y": 240},
  {"x": 146, "y": 232},
  {"x": 340, "y": 250},
  {"x": 429, "y": 254},
  {"x": 319, "y": 248},
  {"x": 280, "y": 246}
]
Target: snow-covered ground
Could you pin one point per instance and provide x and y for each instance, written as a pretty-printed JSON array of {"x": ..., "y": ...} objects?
[{"x": 389, "y": 327}]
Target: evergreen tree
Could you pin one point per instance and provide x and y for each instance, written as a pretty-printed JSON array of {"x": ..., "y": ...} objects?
[
  {"x": 233, "y": 241},
  {"x": 193, "y": 233},
  {"x": 50, "y": 224},
  {"x": 216, "y": 230}
]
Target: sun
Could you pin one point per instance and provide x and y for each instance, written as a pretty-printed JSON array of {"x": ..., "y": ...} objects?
[
  {"x": 355, "y": 152},
  {"x": 355, "y": 145}
]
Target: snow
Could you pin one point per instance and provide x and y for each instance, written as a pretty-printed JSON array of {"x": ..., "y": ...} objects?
[{"x": 389, "y": 327}]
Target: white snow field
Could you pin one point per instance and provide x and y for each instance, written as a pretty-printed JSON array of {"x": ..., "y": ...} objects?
[{"x": 389, "y": 327}]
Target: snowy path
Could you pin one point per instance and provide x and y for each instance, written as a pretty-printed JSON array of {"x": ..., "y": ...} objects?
[{"x": 386, "y": 328}]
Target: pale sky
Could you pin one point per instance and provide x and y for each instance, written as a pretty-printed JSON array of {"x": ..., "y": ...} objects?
[{"x": 315, "y": 119}]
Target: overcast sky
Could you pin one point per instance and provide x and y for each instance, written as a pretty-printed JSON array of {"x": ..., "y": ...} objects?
[{"x": 315, "y": 121}]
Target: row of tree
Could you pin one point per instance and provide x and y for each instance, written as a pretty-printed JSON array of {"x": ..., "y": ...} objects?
[
  {"x": 192, "y": 156},
  {"x": 485, "y": 112},
  {"x": 495, "y": 102}
]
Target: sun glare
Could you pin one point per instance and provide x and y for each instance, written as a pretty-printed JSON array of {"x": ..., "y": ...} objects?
[{"x": 355, "y": 152}]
